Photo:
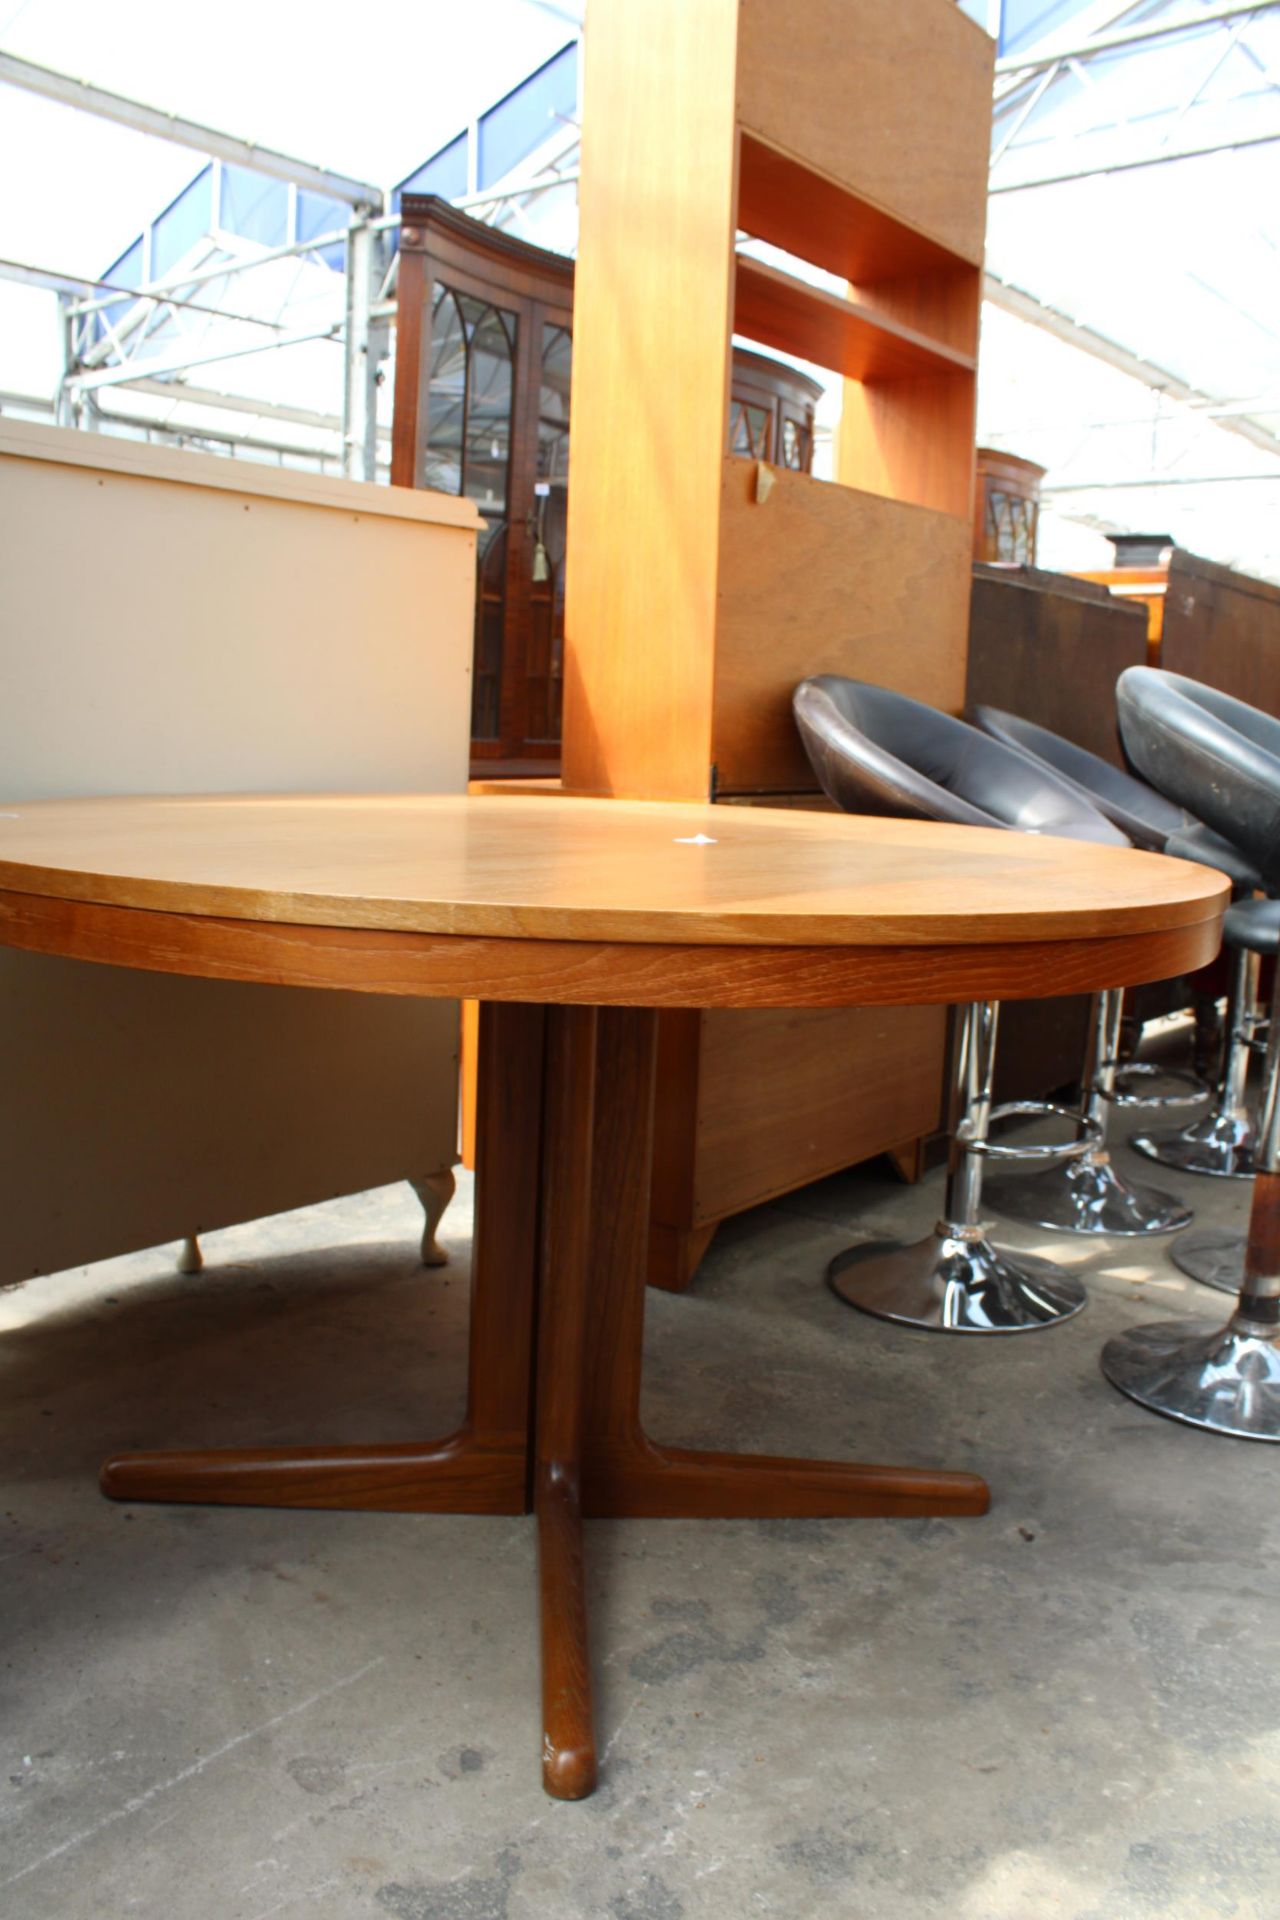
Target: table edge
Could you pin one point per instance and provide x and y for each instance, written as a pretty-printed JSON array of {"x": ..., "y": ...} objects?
[{"x": 595, "y": 973}]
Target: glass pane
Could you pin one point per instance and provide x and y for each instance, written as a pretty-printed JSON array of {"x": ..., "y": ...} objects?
[
  {"x": 444, "y": 173},
  {"x": 1011, "y": 527},
  {"x": 529, "y": 114},
  {"x": 557, "y": 366},
  {"x": 183, "y": 222},
  {"x": 254, "y": 206},
  {"x": 487, "y": 434},
  {"x": 446, "y": 396},
  {"x": 491, "y": 613},
  {"x": 749, "y": 430},
  {"x": 545, "y": 655},
  {"x": 797, "y": 444}
]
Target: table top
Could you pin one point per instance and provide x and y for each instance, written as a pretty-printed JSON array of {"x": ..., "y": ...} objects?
[
  {"x": 652, "y": 885},
  {"x": 593, "y": 870}
]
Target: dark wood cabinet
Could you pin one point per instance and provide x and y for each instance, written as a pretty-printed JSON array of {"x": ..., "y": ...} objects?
[
  {"x": 484, "y": 343},
  {"x": 484, "y": 360}
]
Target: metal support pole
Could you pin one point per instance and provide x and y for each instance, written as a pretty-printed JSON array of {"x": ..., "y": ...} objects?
[
  {"x": 1104, "y": 1056},
  {"x": 66, "y": 403},
  {"x": 975, "y": 1066},
  {"x": 1259, "y": 1307},
  {"x": 360, "y": 388}
]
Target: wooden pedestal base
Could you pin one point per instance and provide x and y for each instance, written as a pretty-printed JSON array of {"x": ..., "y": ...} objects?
[{"x": 564, "y": 1147}]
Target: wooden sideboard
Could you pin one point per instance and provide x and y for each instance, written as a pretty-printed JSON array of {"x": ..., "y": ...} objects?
[
  {"x": 1206, "y": 621},
  {"x": 180, "y": 622}
]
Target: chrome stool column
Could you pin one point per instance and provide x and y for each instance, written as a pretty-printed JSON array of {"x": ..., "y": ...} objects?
[
  {"x": 1224, "y": 1378},
  {"x": 955, "y": 1281},
  {"x": 1087, "y": 1195},
  {"x": 1220, "y": 1142},
  {"x": 1215, "y": 1255}
]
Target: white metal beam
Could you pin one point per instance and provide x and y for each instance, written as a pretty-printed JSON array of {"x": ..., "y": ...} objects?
[
  {"x": 180, "y": 359},
  {"x": 1133, "y": 166},
  {"x": 180, "y": 390},
  {"x": 187, "y": 133},
  {"x": 1023, "y": 65},
  {"x": 1025, "y": 306}
]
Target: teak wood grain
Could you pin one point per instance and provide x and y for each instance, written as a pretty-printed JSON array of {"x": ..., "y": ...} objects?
[
  {"x": 894, "y": 103},
  {"x": 527, "y": 871},
  {"x": 800, "y": 208},
  {"x": 571, "y": 973},
  {"x": 800, "y": 1115},
  {"x": 844, "y": 334},
  {"x": 823, "y": 579},
  {"x": 653, "y": 308},
  {"x": 911, "y": 440},
  {"x": 483, "y": 1467}
]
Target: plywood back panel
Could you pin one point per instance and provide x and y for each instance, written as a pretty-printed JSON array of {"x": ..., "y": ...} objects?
[
  {"x": 848, "y": 85},
  {"x": 1050, "y": 648},
  {"x": 652, "y": 306},
  {"x": 1222, "y": 627},
  {"x": 822, "y": 579}
]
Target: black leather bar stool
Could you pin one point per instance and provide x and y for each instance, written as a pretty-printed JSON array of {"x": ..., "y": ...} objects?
[
  {"x": 875, "y": 751},
  {"x": 1087, "y": 1195},
  {"x": 1219, "y": 1142},
  {"x": 1221, "y": 759}
]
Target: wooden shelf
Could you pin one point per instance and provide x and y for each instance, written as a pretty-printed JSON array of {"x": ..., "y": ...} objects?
[
  {"x": 803, "y": 211},
  {"x": 832, "y": 331}
]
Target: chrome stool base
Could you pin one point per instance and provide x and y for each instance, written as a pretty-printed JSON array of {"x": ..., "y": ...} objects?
[
  {"x": 1214, "y": 1257},
  {"x": 955, "y": 1282},
  {"x": 1219, "y": 1144},
  {"x": 1226, "y": 1379},
  {"x": 1088, "y": 1196}
]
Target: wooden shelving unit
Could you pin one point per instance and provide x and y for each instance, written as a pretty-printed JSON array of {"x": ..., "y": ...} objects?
[
  {"x": 851, "y": 136},
  {"x": 845, "y": 334}
]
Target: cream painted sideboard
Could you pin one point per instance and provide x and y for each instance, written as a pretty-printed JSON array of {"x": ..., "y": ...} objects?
[{"x": 177, "y": 622}]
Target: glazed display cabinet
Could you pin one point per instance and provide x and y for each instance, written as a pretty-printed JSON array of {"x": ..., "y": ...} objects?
[{"x": 483, "y": 371}]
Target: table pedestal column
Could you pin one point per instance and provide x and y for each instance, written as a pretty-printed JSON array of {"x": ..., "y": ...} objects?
[
  {"x": 484, "y": 1466},
  {"x": 557, "y": 1299}
]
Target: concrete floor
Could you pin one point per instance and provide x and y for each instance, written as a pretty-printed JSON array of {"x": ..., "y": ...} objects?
[{"x": 1069, "y": 1708}]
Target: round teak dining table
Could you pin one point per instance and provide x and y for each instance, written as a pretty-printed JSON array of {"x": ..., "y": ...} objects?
[{"x": 573, "y": 921}]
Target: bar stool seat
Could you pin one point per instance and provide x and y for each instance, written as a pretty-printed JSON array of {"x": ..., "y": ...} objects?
[
  {"x": 1144, "y": 816},
  {"x": 1211, "y": 850},
  {"x": 876, "y": 751}
]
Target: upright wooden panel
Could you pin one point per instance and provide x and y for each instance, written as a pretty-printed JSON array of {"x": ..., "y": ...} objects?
[
  {"x": 798, "y": 1121},
  {"x": 823, "y": 579},
  {"x": 893, "y": 101},
  {"x": 1051, "y": 647},
  {"x": 651, "y": 380},
  {"x": 1222, "y": 627},
  {"x": 911, "y": 440}
]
